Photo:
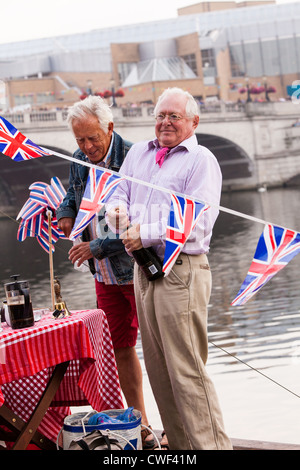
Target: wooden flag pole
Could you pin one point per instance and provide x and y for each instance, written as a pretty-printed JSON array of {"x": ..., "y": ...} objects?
[{"x": 49, "y": 213}]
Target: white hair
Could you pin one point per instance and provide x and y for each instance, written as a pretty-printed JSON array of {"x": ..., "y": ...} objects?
[
  {"x": 191, "y": 104},
  {"x": 91, "y": 106}
]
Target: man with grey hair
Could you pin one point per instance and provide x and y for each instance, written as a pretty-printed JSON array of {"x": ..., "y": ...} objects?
[
  {"x": 91, "y": 122},
  {"x": 172, "y": 310}
]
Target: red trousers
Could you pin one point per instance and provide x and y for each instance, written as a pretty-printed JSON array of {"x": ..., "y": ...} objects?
[{"x": 118, "y": 303}]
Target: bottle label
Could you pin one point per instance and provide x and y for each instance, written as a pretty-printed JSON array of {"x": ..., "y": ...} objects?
[{"x": 153, "y": 269}]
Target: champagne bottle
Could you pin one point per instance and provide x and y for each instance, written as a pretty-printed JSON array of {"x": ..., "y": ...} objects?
[{"x": 149, "y": 263}]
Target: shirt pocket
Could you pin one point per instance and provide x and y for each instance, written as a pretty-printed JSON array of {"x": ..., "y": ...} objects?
[{"x": 172, "y": 182}]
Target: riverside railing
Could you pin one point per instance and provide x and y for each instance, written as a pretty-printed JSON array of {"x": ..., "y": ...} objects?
[{"x": 57, "y": 117}]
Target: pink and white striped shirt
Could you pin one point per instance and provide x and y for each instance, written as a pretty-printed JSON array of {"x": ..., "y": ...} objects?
[{"x": 189, "y": 169}]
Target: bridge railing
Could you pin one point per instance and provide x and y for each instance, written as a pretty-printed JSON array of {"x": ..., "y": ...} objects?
[
  {"x": 221, "y": 107},
  {"x": 38, "y": 118},
  {"x": 208, "y": 110}
]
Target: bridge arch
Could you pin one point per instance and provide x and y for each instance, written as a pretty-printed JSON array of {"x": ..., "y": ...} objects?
[
  {"x": 294, "y": 181},
  {"x": 233, "y": 160}
]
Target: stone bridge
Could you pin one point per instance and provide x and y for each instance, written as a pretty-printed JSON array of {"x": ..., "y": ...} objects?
[{"x": 256, "y": 144}]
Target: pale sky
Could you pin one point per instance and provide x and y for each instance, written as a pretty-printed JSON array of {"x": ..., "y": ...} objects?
[{"x": 30, "y": 19}]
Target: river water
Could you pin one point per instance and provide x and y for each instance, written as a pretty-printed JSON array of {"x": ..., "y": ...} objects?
[{"x": 254, "y": 350}]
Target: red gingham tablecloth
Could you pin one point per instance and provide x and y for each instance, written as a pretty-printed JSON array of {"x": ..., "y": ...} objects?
[{"x": 28, "y": 357}]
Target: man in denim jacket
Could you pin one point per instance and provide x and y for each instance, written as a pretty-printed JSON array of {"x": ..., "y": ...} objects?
[{"x": 91, "y": 122}]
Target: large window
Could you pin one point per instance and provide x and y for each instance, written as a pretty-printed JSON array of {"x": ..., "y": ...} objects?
[
  {"x": 26, "y": 98},
  {"x": 190, "y": 60},
  {"x": 288, "y": 55},
  {"x": 270, "y": 57},
  {"x": 237, "y": 60},
  {"x": 124, "y": 69},
  {"x": 208, "y": 62},
  {"x": 46, "y": 97},
  {"x": 297, "y": 40},
  {"x": 265, "y": 57},
  {"x": 253, "y": 59}
]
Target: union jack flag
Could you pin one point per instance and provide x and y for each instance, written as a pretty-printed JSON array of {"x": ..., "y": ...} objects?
[
  {"x": 183, "y": 217},
  {"x": 100, "y": 185},
  {"x": 275, "y": 248},
  {"x": 43, "y": 197},
  {"x": 15, "y": 145}
]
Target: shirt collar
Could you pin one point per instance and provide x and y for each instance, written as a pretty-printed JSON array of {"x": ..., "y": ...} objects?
[
  {"x": 188, "y": 144},
  {"x": 109, "y": 150}
]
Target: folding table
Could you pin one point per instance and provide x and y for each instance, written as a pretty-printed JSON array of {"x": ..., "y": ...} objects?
[{"x": 46, "y": 368}]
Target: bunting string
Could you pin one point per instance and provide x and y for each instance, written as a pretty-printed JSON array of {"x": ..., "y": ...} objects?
[
  {"x": 161, "y": 188},
  {"x": 277, "y": 245},
  {"x": 18, "y": 147}
]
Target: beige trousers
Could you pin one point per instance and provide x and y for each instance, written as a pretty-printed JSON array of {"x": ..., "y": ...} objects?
[{"x": 172, "y": 314}]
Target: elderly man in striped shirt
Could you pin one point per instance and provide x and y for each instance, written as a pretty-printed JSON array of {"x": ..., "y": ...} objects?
[{"x": 172, "y": 310}]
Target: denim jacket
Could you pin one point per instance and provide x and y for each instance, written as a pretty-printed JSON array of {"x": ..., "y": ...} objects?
[{"x": 109, "y": 245}]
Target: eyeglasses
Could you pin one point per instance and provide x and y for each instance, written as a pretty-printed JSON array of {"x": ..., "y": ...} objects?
[{"x": 172, "y": 117}]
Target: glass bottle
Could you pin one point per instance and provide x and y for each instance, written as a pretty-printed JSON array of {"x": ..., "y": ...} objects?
[{"x": 149, "y": 263}]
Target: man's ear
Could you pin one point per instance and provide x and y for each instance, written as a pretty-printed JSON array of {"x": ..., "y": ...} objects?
[
  {"x": 196, "y": 121},
  {"x": 110, "y": 128}
]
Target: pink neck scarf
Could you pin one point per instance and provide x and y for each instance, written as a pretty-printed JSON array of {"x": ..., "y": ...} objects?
[{"x": 160, "y": 156}]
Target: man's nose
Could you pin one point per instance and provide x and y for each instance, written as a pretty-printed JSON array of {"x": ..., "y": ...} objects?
[{"x": 88, "y": 144}]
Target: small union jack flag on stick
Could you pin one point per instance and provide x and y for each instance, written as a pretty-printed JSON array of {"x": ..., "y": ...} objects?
[
  {"x": 43, "y": 197},
  {"x": 39, "y": 219},
  {"x": 275, "y": 248},
  {"x": 100, "y": 185},
  {"x": 183, "y": 217},
  {"x": 15, "y": 145}
]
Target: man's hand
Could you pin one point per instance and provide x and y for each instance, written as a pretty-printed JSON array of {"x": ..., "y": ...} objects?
[
  {"x": 117, "y": 218},
  {"x": 66, "y": 224},
  {"x": 80, "y": 253},
  {"x": 131, "y": 238}
]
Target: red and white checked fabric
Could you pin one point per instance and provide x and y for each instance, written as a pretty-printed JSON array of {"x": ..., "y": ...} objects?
[{"x": 28, "y": 357}]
